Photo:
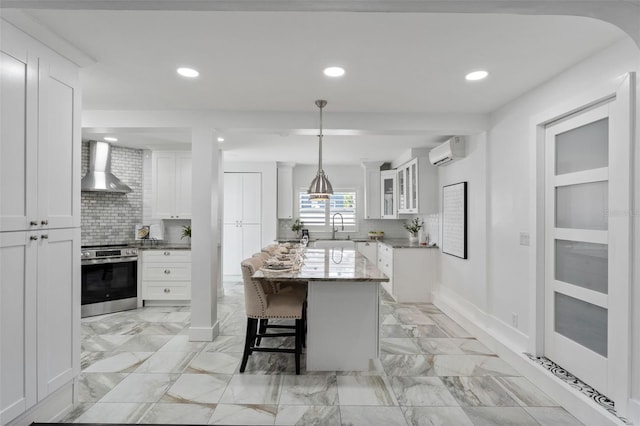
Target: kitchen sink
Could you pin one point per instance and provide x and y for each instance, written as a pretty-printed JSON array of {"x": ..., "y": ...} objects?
[{"x": 332, "y": 244}]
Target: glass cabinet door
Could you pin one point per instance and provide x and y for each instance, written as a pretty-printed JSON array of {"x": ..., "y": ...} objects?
[
  {"x": 389, "y": 207},
  {"x": 408, "y": 187}
]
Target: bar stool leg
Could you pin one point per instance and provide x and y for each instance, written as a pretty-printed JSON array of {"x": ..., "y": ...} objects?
[{"x": 252, "y": 328}]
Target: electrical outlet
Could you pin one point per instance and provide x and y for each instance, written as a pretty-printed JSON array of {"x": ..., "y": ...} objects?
[
  {"x": 524, "y": 238},
  {"x": 514, "y": 319}
]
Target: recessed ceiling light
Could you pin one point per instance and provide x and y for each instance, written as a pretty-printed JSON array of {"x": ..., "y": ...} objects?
[
  {"x": 220, "y": 139},
  {"x": 110, "y": 139},
  {"x": 188, "y": 72},
  {"x": 334, "y": 71},
  {"x": 476, "y": 75}
]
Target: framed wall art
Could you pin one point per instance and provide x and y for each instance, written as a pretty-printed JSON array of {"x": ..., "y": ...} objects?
[{"x": 454, "y": 219}]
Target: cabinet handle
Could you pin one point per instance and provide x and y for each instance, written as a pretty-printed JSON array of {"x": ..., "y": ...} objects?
[
  {"x": 44, "y": 236},
  {"x": 167, "y": 290},
  {"x": 366, "y": 244},
  {"x": 33, "y": 223},
  {"x": 33, "y": 238},
  {"x": 44, "y": 222},
  {"x": 166, "y": 253},
  {"x": 167, "y": 271}
]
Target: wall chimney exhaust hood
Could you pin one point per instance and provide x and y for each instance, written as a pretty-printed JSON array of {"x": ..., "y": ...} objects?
[{"x": 99, "y": 177}]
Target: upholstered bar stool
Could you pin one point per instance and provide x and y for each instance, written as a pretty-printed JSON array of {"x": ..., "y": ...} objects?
[{"x": 261, "y": 305}]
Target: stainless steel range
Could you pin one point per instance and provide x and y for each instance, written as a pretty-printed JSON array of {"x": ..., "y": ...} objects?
[{"x": 109, "y": 279}]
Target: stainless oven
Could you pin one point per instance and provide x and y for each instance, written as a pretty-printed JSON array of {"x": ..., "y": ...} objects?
[{"x": 109, "y": 279}]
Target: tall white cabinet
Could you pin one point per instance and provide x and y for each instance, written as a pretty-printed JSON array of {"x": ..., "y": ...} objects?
[
  {"x": 39, "y": 229},
  {"x": 242, "y": 219}
]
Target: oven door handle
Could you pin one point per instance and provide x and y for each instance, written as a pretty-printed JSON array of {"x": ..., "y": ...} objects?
[{"x": 108, "y": 260}]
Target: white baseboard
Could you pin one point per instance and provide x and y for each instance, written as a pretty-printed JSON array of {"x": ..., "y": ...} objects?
[
  {"x": 510, "y": 344},
  {"x": 204, "y": 334},
  {"x": 52, "y": 409},
  {"x": 634, "y": 411}
]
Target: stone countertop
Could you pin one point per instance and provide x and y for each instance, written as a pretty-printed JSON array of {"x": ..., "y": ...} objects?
[
  {"x": 404, "y": 243},
  {"x": 328, "y": 265},
  {"x": 161, "y": 246}
]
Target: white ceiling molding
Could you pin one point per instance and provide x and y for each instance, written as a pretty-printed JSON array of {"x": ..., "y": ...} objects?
[
  {"x": 25, "y": 22},
  {"x": 623, "y": 13}
]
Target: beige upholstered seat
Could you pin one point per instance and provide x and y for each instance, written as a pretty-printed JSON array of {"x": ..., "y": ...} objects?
[
  {"x": 262, "y": 255},
  {"x": 271, "y": 248},
  {"x": 261, "y": 305}
]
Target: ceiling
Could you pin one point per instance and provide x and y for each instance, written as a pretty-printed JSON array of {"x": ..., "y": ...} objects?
[{"x": 256, "y": 64}]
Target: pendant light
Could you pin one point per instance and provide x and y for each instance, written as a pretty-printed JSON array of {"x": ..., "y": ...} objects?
[{"x": 320, "y": 188}]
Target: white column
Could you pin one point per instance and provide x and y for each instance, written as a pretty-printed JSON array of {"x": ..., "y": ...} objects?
[{"x": 205, "y": 242}]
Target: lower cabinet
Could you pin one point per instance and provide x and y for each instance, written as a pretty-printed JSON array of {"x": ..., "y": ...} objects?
[
  {"x": 411, "y": 272},
  {"x": 39, "y": 317},
  {"x": 166, "y": 275},
  {"x": 368, "y": 249}
]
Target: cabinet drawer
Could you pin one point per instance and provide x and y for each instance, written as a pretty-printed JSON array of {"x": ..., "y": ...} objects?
[
  {"x": 158, "y": 291},
  {"x": 166, "y": 272},
  {"x": 166, "y": 256}
]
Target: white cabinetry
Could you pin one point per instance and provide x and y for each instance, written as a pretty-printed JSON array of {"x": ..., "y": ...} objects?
[
  {"x": 40, "y": 204},
  {"x": 171, "y": 185},
  {"x": 285, "y": 191},
  {"x": 417, "y": 187},
  {"x": 389, "y": 194},
  {"x": 242, "y": 219},
  {"x": 39, "y": 316},
  {"x": 368, "y": 249},
  {"x": 411, "y": 272},
  {"x": 372, "y": 192},
  {"x": 166, "y": 275}
]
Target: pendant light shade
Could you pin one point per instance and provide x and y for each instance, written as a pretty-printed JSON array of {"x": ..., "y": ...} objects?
[{"x": 320, "y": 188}]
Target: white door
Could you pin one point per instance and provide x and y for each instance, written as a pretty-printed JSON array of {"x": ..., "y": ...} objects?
[{"x": 587, "y": 247}]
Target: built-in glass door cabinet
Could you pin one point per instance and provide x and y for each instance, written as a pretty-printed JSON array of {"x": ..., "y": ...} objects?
[
  {"x": 171, "y": 185},
  {"x": 408, "y": 187},
  {"x": 40, "y": 205},
  {"x": 372, "y": 190},
  {"x": 389, "y": 189}
]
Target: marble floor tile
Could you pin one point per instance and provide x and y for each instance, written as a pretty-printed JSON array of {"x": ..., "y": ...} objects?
[
  {"x": 449, "y": 326},
  {"x": 422, "y": 391},
  {"x": 407, "y": 365},
  {"x": 166, "y": 362},
  {"x": 436, "y": 416},
  {"x": 118, "y": 362},
  {"x": 140, "y": 388},
  {"x": 425, "y": 331},
  {"x": 525, "y": 392},
  {"x": 181, "y": 343},
  {"x": 226, "y": 344},
  {"x": 238, "y": 414},
  {"x": 197, "y": 388},
  {"x": 427, "y": 308},
  {"x": 87, "y": 359},
  {"x": 470, "y": 365},
  {"x": 360, "y": 416},
  {"x": 499, "y": 416},
  {"x": 413, "y": 316},
  {"x": 398, "y": 346},
  {"x": 252, "y": 389},
  {"x": 309, "y": 390},
  {"x": 160, "y": 328},
  {"x": 365, "y": 390},
  {"x": 123, "y": 412},
  {"x": 306, "y": 415},
  {"x": 144, "y": 343},
  {"x": 478, "y": 391},
  {"x": 452, "y": 346},
  {"x": 273, "y": 363},
  {"x": 388, "y": 319},
  {"x": 214, "y": 362},
  {"x": 103, "y": 343},
  {"x": 93, "y": 386},
  {"x": 78, "y": 410},
  {"x": 178, "y": 414},
  {"x": 552, "y": 416},
  {"x": 395, "y": 331}
]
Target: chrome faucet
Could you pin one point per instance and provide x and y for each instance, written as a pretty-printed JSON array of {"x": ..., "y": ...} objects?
[{"x": 333, "y": 225}]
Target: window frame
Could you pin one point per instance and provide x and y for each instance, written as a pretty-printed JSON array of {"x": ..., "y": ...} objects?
[{"x": 328, "y": 213}]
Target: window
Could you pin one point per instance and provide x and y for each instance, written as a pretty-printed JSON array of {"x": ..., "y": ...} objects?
[{"x": 317, "y": 214}]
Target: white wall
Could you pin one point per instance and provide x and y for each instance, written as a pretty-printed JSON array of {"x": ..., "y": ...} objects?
[
  {"x": 342, "y": 177},
  {"x": 507, "y": 160}
]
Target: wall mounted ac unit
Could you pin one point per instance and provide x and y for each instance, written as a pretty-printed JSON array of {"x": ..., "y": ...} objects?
[{"x": 447, "y": 151}]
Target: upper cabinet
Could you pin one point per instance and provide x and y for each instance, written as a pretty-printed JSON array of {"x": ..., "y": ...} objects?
[
  {"x": 417, "y": 187},
  {"x": 372, "y": 190},
  {"x": 285, "y": 191},
  {"x": 389, "y": 194},
  {"x": 171, "y": 185},
  {"x": 40, "y": 150}
]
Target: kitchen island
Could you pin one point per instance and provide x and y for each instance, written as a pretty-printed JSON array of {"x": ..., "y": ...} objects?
[{"x": 343, "y": 307}]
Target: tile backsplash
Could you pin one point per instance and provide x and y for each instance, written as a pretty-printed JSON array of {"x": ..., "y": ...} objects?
[{"x": 109, "y": 218}]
